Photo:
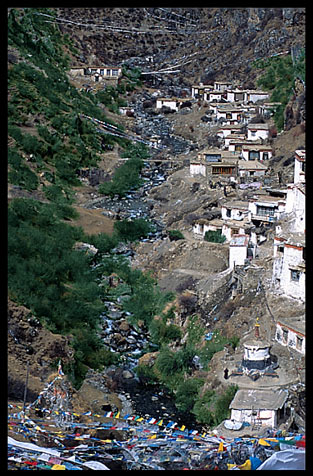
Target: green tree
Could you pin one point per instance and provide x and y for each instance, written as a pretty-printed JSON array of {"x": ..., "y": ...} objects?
[
  {"x": 132, "y": 230},
  {"x": 186, "y": 394}
]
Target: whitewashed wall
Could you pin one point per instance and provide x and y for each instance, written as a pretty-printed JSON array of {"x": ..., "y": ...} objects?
[
  {"x": 291, "y": 338},
  {"x": 197, "y": 169},
  {"x": 260, "y": 134},
  {"x": 237, "y": 255},
  {"x": 295, "y": 289}
]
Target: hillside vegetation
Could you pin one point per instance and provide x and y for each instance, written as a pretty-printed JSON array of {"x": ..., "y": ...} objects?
[{"x": 48, "y": 144}]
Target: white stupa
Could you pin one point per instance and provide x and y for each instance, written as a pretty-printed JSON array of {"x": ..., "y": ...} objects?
[{"x": 256, "y": 352}]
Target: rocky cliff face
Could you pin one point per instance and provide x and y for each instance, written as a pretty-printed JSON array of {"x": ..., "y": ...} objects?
[
  {"x": 29, "y": 341},
  {"x": 222, "y": 41}
]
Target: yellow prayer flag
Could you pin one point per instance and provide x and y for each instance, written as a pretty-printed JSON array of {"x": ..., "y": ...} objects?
[
  {"x": 117, "y": 415},
  {"x": 58, "y": 467},
  {"x": 182, "y": 428},
  {"x": 246, "y": 465},
  {"x": 220, "y": 447},
  {"x": 140, "y": 419},
  {"x": 230, "y": 465},
  {"x": 263, "y": 442},
  {"x": 152, "y": 436},
  {"x": 160, "y": 422}
]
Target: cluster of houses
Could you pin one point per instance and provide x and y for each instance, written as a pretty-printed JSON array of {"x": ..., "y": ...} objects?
[
  {"x": 96, "y": 73},
  {"x": 244, "y": 224}
]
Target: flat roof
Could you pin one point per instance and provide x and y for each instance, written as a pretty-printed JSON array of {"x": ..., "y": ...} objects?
[
  {"x": 251, "y": 165},
  {"x": 256, "y": 91},
  {"x": 231, "y": 126},
  {"x": 256, "y": 147},
  {"x": 294, "y": 323},
  {"x": 94, "y": 67},
  {"x": 241, "y": 205},
  {"x": 239, "y": 240},
  {"x": 257, "y": 126},
  {"x": 258, "y": 399},
  {"x": 300, "y": 153}
]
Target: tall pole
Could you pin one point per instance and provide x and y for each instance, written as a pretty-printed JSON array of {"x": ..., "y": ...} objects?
[{"x": 26, "y": 383}]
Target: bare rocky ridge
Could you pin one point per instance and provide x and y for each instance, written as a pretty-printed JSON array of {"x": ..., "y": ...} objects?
[{"x": 225, "y": 40}]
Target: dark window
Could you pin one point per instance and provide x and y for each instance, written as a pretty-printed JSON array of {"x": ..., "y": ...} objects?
[
  {"x": 265, "y": 211},
  {"x": 294, "y": 275},
  {"x": 213, "y": 157},
  {"x": 299, "y": 342},
  {"x": 254, "y": 155}
]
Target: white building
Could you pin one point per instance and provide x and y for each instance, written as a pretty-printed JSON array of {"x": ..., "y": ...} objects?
[
  {"x": 289, "y": 265},
  {"x": 290, "y": 332},
  {"x": 235, "y": 210},
  {"x": 295, "y": 204},
  {"x": 196, "y": 167},
  {"x": 256, "y": 355},
  {"x": 299, "y": 170},
  {"x": 235, "y": 144},
  {"x": 96, "y": 73},
  {"x": 227, "y": 129},
  {"x": 251, "y": 168},
  {"x": 231, "y": 115},
  {"x": 257, "y": 131},
  {"x": 202, "y": 225},
  {"x": 235, "y": 95},
  {"x": 252, "y": 95},
  {"x": 222, "y": 85},
  {"x": 233, "y": 227},
  {"x": 238, "y": 250},
  {"x": 256, "y": 152},
  {"x": 267, "y": 209},
  {"x": 234, "y": 137},
  {"x": 197, "y": 90},
  {"x": 212, "y": 96},
  {"x": 261, "y": 407},
  {"x": 267, "y": 109}
]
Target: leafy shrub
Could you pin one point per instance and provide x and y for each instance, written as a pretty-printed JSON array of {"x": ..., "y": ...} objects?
[
  {"x": 162, "y": 333},
  {"x": 175, "y": 235},
  {"x": 146, "y": 374},
  {"x": 125, "y": 178},
  {"x": 132, "y": 230},
  {"x": 214, "y": 236},
  {"x": 211, "y": 408},
  {"x": 167, "y": 364},
  {"x": 19, "y": 173},
  {"x": 186, "y": 394},
  {"x": 201, "y": 408}
]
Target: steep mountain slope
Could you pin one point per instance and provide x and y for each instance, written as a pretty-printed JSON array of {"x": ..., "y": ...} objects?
[{"x": 208, "y": 43}]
